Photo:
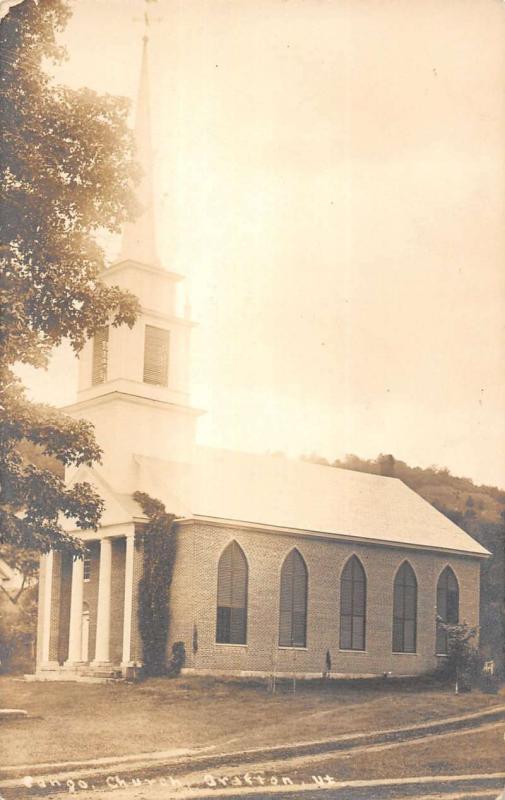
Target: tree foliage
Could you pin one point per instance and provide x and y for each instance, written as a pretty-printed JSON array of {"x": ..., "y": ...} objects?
[
  {"x": 18, "y": 633},
  {"x": 66, "y": 169},
  {"x": 26, "y": 562}
]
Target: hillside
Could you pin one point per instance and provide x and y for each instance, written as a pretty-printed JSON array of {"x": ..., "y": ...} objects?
[{"x": 459, "y": 496}]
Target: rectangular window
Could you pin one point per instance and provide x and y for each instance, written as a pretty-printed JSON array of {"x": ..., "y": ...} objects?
[
  {"x": 156, "y": 347},
  {"x": 87, "y": 566},
  {"x": 100, "y": 355}
]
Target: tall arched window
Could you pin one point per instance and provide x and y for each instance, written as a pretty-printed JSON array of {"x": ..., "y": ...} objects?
[
  {"x": 405, "y": 610},
  {"x": 232, "y": 572},
  {"x": 447, "y": 606},
  {"x": 293, "y": 602},
  {"x": 353, "y": 606}
]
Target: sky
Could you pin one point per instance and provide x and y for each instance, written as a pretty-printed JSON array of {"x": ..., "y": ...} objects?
[{"x": 330, "y": 179}]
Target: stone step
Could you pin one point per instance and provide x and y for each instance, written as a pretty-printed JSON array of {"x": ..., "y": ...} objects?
[
  {"x": 99, "y": 672},
  {"x": 12, "y": 713},
  {"x": 81, "y": 672}
]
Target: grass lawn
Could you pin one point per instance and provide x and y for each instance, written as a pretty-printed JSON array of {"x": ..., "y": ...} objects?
[
  {"x": 456, "y": 754},
  {"x": 471, "y": 752},
  {"x": 70, "y": 721}
]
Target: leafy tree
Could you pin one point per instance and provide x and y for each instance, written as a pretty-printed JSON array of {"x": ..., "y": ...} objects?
[
  {"x": 65, "y": 170},
  {"x": 18, "y": 632},
  {"x": 26, "y": 562}
]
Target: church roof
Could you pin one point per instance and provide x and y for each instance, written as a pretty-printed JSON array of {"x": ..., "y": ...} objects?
[{"x": 282, "y": 493}]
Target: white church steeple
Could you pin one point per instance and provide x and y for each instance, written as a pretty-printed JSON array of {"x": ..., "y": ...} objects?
[
  {"x": 139, "y": 237},
  {"x": 134, "y": 384}
]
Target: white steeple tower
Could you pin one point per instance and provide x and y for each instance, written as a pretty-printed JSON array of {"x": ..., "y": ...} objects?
[
  {"x": 134, "y": 384},
  {"x": 139, "y": 237}
]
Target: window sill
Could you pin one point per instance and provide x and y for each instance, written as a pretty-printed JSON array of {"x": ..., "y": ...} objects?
[
  {"x": 230, "y": 644},
  {"x": 291, "y": 647},
  {"x": 346, "y": 650},
  {"x": 442, "y": 655},
  {"x": 400, "y": 653}
]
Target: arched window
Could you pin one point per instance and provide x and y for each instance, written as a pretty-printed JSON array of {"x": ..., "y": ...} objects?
[
  {"x": 405, "y": 610},
  {"x": 293, "y": 602},
  {"x": 353, "y": 606},
  {"x": 232, "y": 572},
  {"x": 447, "y": 606}
]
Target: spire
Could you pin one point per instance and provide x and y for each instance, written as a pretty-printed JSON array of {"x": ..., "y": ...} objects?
[{"x": 139, "y": 237}]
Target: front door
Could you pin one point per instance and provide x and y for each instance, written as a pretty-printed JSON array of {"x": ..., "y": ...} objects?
[{"x": 85, "y": 636}]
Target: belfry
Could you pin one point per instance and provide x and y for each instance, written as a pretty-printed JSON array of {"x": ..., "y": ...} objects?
[
  {"x": 134, "y": 384},
  {"x": 133, "y": 387},
  {"x": 279, "y": 562}
]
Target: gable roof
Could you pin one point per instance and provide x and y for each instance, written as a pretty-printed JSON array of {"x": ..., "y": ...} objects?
[
  {"x": 119, "y": 508},
  {"x": 282, "y": 493}
]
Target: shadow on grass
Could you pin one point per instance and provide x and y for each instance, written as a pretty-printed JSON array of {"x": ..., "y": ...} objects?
[{"x": 330, "y": 686}]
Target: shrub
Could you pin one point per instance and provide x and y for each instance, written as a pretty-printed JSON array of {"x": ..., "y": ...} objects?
[
  {"x": 464, "y": 662},
  {"x": 178, "y": 659}
]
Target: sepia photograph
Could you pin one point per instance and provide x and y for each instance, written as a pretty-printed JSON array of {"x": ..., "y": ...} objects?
[{"x": 252, "y": 399}]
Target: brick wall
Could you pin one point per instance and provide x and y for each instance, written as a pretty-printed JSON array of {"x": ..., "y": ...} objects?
[
  {"x": 90, "y": 595},
  {"x": 54, "y": 638},
  {"x": 138, "y": 568},
  {"x": 65, "y": 593},
  {"x": 184, "y": 594},
  {"x": 194, "y": 588},
  {"x": 117, "y": 599}
]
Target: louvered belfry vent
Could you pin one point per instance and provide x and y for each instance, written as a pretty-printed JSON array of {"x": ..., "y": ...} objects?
[
  {"x": 293, "y": 602},
  {"x": 100, "y": 355},
  {"x": 156, "y": 350},
  {"x": 232, "y": 574}
]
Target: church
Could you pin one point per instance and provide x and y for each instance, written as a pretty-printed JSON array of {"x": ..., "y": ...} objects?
[{"x": 283, "y": 567}]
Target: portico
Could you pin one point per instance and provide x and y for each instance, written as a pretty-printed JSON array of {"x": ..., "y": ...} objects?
[{"x": 88, "y": 625}]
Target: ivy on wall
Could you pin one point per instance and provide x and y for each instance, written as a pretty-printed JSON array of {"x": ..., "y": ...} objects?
[{"x": 158, "y": 539}]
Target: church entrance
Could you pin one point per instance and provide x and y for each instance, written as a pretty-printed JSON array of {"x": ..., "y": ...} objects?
[{"x": 85, "y": 634}]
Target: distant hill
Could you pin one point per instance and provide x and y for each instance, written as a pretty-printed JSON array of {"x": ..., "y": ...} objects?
[
  {"x": 460, "y": 496},
  {"x": 479, "y": 510}
]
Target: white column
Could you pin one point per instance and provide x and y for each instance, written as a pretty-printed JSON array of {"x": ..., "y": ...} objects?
[
  {"x": 102, "y": 648},
  {"x": 128, "y": 599},
  {"x": 46, "y": 606},
  {"x": 75, "y": 637}
]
